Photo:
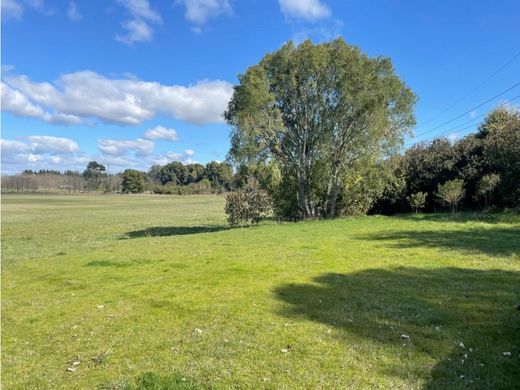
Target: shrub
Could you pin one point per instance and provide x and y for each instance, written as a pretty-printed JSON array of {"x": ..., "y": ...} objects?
[
  {"x": 417, "y": 200},
  {"x": 247, "y": 206},
  {"x": 451, "y": 193}
]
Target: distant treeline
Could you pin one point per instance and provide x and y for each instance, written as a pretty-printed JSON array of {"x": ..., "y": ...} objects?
[{"x": 173, "y": 178}]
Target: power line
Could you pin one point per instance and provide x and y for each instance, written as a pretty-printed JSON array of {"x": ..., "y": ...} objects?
[
  {"x": 468, "y": 111},
  {"x": 457, "y": 128},
  {"x": 503, "y": 66}
]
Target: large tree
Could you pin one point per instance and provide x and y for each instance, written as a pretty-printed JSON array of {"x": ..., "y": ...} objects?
[
  {"x": 132, "y": 181},
  {"x": 317, "y": 114},
  {"x": 94, "y": 175}
]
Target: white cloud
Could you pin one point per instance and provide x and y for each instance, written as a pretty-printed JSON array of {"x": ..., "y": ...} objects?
[
  {"x": 39, "y": 151},
  {"x": 138, "y": 28},
  {"x": 160, "y": 132},
  {"x": 17, "y": 103},
  {"x": 168, "y": 157},
  {"x": 73, "y": 12},
  {"x": 48, "y": 144},
  {"x": 11, "y": 9},
  {"x": 310, "y": 10},
  {"x": 39, "y": 144},
  {"x": 34, "y": 157},
  {"x": 200, "y": 11},
  {"x": 11, "y": 147},
  {"x": 48, "y": 152},
  {"x": 76, "y": 97},
  {"x": 119, "y": 148}
]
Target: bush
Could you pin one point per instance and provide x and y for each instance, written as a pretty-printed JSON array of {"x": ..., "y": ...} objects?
[
  {"x": 451, "y": 193},
  {"x": 417, "y": 200},
  {"x": 247, "y": 206}
]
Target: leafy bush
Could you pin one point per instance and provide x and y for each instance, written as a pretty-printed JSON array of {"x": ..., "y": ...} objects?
[
  {"x": 247, "y": 206},
  {"x": 451, "y": 193},
  {"x": 417, "y": 200}
]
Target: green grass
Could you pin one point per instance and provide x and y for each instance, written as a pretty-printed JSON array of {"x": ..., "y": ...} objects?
[{"x": 156, "y": 293}]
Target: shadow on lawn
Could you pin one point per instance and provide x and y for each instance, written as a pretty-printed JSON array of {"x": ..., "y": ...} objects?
[
  {"x": 153, "y": 381},
  {"x": 166, "y": 231},
  {"x": 464, "y": 216},
  {"x": 491, "y": 241},
  {"x": 438, "y": 309}
]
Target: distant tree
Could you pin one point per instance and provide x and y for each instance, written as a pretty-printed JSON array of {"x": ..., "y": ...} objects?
[
  {"x": 451, "y": 193},
  {"x": 94, "y": 175},
  {"x": 219, "y": 174},
  {"x": 155, "y": 173},
  {"x": 428, "y": 164},
  {"x": 417, "y": 201},
  {"x": 486, "y": 187},
  {"x": 500, "y": 134},
  {"x": 132, "y": 181}
]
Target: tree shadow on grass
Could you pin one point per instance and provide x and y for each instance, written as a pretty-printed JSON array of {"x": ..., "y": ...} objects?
[
  {"x": 490, "y": 241},
  {"x": 423, "y": 314},
  {"x": 464, "y": 216},
  {"x": 167, "y": 231},
  {"x": 153, "y": 381}
]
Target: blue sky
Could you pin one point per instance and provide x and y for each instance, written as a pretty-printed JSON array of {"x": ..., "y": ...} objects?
[{"x": 133, "y": 83}]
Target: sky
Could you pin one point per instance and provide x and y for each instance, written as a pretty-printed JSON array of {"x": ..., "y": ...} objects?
[{"x": 133, "y": 83}]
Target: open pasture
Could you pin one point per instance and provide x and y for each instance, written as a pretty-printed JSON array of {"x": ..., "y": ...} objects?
[{"x": 156, "y": 292}]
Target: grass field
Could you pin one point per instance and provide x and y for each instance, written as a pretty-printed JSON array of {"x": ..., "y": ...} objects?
[{"x": 155, "y": 292}]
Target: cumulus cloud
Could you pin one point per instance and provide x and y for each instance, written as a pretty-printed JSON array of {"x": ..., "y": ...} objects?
[
  {"x": 48, "y": 152},
  {"x": 138, "y": 27},
  {"x": 38, "y": 151},
  {"x": 39, "y": 144},
  {"x": 73, "y": 12},
  {"x": 17, "y": 103},
  {"x": 168, "y": 157},
  {"x": 161, "y": 132},
  {"x": 199, "y": 12},
  {"x": 140, "y": 147},
  {"x": 310, "y": 10},
  {"x": 49, "y": 144},
  {"x": 76, "y": 97},
  {"x": 12, "y": 147}
]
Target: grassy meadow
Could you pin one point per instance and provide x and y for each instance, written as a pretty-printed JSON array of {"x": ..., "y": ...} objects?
[{"x": 129, "y": 292}]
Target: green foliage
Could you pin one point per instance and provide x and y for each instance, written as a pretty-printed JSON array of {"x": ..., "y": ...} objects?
[
  {"x": 132, "y": 181},
  {"x": 487, "y": 162},
  {"x": 316, "y": 111},
  {"x": 247, "y": 206},
  {"x": 417, "y": 201},
  {"x": 486, "y": 188},
  {"x": 451, "y": 193},
  {"x": 196, "y": 176},
  {"x": 501, "y": 152},
  {"x": 94, "y": 175}
]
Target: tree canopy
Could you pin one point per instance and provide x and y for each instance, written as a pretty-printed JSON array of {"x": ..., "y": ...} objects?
[{"x": 318, "y": 117}]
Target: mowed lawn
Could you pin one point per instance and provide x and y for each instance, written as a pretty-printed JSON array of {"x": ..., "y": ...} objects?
[{"x": 151, "y": 291}]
